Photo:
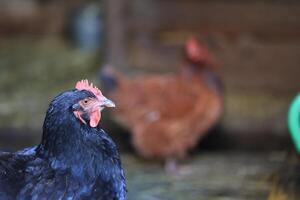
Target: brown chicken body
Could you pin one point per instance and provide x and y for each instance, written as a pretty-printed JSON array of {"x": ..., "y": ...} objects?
[{"x": 168, "y": 114}]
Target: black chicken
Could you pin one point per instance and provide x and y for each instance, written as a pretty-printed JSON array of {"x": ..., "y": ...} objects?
[{"x": 75, "y": 160}]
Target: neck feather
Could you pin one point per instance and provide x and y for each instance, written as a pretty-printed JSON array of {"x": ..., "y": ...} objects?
[{"x": 68, "y": 144}]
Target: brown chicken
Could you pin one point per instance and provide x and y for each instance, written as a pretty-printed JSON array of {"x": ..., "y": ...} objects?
[{"x": 168, "y": 114}]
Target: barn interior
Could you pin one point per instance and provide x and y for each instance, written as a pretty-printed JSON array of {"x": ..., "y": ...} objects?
[{"x": 48, "y": 45}]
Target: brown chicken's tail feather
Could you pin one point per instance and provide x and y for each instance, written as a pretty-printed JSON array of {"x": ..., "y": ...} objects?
[{"x": 110, "y": 78}]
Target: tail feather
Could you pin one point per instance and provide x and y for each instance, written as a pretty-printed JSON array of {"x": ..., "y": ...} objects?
[{"x": 110, "y": 78}]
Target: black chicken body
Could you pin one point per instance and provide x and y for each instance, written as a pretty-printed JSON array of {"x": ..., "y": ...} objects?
[{"x": 75, "y": 160}]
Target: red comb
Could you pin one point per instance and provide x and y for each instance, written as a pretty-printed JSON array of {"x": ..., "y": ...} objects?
[
  {"x": 85, "y": 85},
  {"x": 196, "y": 51},
  {"x": 194, "y": 47}
]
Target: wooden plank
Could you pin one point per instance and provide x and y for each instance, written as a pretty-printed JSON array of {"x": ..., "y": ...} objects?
[
  {"x": 245, "y": 63},
  {"x": 261, "y": 18},
  {"x": 115, "y": 32},
  {"x": 257, "y": 43},
  {"x": 32, "y": 17}
]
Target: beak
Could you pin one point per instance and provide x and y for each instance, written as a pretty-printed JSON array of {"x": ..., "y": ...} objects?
[{"x": 107, "y": 103}]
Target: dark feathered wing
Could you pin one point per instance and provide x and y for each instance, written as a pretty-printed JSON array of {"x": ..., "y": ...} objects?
[
  {"x": 11, "y": 174},
  {"x": 26, "y": 176}
]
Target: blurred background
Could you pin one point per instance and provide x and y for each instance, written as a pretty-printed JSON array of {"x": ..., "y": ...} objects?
[{"x": 48, "y": 45}]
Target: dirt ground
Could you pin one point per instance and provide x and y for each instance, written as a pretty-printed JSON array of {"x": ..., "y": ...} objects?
[{"x": 208, "y": 176}]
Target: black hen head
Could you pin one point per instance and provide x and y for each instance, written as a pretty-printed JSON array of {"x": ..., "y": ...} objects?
[
  {"x": 71, "y": 112},
  {"x": 70, "y": 130}
]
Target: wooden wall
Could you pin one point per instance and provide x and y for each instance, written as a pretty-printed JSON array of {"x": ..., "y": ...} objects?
[
  {"x": 249, "y": 38},
  {"x": 256, "y": 43},
  {"x": 36, "y": 17}
]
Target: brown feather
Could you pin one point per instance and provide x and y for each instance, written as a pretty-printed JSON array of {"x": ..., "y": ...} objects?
[{"x": 168, "y": 114}]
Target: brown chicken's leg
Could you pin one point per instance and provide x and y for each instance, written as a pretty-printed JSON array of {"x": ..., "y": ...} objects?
[{"x": 171, "y": 166}]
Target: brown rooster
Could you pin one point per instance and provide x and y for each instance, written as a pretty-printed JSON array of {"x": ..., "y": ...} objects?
[{"x": 168, "y": 114}]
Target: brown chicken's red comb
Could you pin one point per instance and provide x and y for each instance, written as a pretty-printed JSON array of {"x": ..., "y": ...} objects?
[
  {"x": 196, "y": 51},
  {"x": 85, "y": 85}
]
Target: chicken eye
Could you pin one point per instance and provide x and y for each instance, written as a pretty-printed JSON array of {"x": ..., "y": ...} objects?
[{"x": 85, "y": 101}]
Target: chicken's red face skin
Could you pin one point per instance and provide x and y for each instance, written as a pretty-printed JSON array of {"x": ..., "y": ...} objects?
[{"x": 89, "y": 109}]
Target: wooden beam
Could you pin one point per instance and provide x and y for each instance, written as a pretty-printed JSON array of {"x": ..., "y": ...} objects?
[
  {"x": 260, "y": 18},
  {"x": 115, "y": 33}
]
